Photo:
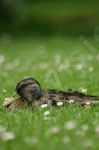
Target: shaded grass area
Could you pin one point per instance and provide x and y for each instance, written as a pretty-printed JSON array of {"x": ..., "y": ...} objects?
[
  {"x": 57, "y": 9},
  {"x": 48, "y": 17},
  {"x": 60, "y": 63}
]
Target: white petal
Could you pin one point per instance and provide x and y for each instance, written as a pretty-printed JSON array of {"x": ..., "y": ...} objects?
[{"x": 59, "y": 103}]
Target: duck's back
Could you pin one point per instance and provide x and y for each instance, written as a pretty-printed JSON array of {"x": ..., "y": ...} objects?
[{"x": 52, "y": 97}]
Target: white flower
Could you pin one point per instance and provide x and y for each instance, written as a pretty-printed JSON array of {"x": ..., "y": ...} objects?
[
  {"x": 71, "y": 101},
  {"x": 88, "y": 103},
  {"x": 97, "y": 57},
  {"x": 97, "y": 130},
  {"x": 90, "y": 69},
  {"x": 34, "y": 140},
  {"x": 4, "y": 90},
  {"x": 79, "y": 66},
  {"x": 46, "y": 113},
  {"x": 88, "y": 143},
  {"x": 2, "y": 59},
  {"x": 84, "y": 127},
  {"x": 6, "y": 136},
  {"x": 66, "y": 140},
  {"x": 83, "y": 90},
  {"x": 44, "y": 105},
  {"x": 55, "y": 129},
  {"x": 79, "y": 114},
  {"x": 59, "y": 103},
  {"x": 70, "y": 125}
]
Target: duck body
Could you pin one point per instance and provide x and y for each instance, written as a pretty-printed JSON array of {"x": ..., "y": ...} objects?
[
  {"x": 31, "y": 95},
  {"x": 52, "y": 97}
]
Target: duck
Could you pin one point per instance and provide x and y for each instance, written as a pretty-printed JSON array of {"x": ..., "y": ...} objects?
[{"x": 29, "y": 93}]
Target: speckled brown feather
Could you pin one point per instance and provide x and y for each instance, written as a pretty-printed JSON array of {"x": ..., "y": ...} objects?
[
  {"x": 51, "y": 97},
  {"x": 30, "y": 91}
]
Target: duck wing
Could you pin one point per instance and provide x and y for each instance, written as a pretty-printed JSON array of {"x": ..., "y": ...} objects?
[{"x": 52, "y": 97}]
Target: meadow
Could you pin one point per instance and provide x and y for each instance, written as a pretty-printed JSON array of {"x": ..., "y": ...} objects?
[{"x": 57, "y": 62}]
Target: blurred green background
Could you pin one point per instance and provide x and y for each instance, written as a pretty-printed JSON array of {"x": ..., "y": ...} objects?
[
  {"x": 56, "y": 42},
  {"x": 47, "y": 17}
]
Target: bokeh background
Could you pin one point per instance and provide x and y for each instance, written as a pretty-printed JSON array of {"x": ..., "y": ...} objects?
[
  {"x": 57, "y": 43},
  {"x": 48, "y": 17}
]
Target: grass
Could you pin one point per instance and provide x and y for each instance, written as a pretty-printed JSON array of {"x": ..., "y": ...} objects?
[{"x": 56, "y": 62}]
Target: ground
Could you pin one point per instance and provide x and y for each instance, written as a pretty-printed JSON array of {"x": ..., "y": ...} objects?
[{"x": 56, "y": 62}]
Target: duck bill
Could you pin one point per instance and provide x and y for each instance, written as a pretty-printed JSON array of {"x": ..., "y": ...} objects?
[{"x": 14, "y": 102}]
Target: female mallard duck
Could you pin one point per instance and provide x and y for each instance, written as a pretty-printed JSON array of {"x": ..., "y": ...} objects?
[{"x": 31, "y": 94}]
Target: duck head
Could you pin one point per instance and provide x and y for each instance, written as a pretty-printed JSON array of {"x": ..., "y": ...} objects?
[{"x": 29, "y": 89}]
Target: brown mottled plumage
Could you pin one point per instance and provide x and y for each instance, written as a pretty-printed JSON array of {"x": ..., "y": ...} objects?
[
  {"x": 29, "y": 89},
  {"x": 31, "y": 94}
]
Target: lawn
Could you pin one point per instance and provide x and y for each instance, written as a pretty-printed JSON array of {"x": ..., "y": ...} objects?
[{"x": 56, "y": 62}]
